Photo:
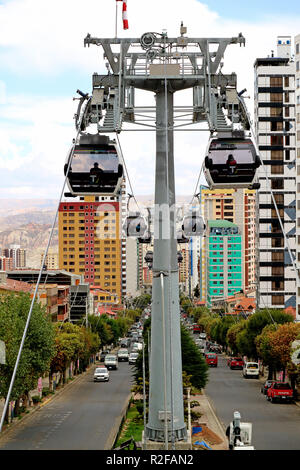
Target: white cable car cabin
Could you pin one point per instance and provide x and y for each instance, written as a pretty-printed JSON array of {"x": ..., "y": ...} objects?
[
  {"x": 193, "y": 225},
  {"x": 231, "y": 162},
  {"x": 135, "y": 225},
  {"x": 95, "y": 167}
]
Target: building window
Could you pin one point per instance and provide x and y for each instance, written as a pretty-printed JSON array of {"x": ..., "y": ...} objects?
[{"x": 277, "y": 299}]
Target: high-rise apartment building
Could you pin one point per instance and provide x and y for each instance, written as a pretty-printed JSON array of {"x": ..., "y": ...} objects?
[
  {"x": 275, "y": 122},
  {"x": 223, "y": 259},
  {"x": 51, "y": 260},
  {"x": 90, "y": 244},
  {"x": 134, "y": 267},
  {"x": 297, "y": 98},
  {"x": 238, "y": 207},
  {"x": 6, "y": 264},
  {"x": 17, "y": 254}
]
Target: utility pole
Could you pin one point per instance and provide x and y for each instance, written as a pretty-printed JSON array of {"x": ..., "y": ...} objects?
[{"x": 163, "y": 66}]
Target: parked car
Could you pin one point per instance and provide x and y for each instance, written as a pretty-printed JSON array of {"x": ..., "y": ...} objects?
[
  {"x": 137, "y": 347},
  {"x": 236, "y": 363},
  {"x": 211, "y": 359},
  {"x": 111, "y": 361},
  {"x": 202, "y": 335},
  {"x": 251, "y": 369},
  {"x": 101, "y": 374},
  {"x": 125, "y": 343},
  {"x": 102, "y": 356},
  {"x": 266, "y": 386},
  {"x": 123, "y": 355},
  {"x": 280, "y": 391},
  {"x": 133, "y": 357}
]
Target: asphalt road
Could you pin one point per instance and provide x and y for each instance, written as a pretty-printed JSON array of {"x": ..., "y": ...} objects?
[
  {"x": 274, "y": 426},
  {"x": 81, "y": 418}
]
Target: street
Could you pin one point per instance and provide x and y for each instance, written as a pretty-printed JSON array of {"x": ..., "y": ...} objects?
[
  {"x": 81, "y": 418},
  {"x": 274, "y": 426}
]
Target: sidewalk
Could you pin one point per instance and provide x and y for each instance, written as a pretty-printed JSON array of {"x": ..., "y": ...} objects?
[{"x": 212, "y": 431}]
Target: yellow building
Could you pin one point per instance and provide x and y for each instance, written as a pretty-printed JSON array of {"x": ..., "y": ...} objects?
[
  {"x": 51, "y": 260},
  {"x": 90, "y": 245}
]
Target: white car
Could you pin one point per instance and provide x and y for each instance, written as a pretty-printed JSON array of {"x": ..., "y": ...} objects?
[
  {"x": 251, "y": 369},
  {"x": 123, "y": 354},
  {"x": 133, "y": 357},
  {"x": 111, "y": 361},
  {"x": 101, "y": 374}
]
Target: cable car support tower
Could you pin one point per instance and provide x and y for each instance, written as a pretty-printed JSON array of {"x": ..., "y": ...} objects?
[{"x": 163, "y": 66}]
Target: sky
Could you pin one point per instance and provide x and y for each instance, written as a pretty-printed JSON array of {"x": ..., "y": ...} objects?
[{"x": 43, "y": 62}]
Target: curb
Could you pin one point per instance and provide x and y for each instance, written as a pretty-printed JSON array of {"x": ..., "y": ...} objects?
[
  {"x": 116, "y": 427},
  {"x": 15, "y": 423},
  {"x": 216, "y": 419}
]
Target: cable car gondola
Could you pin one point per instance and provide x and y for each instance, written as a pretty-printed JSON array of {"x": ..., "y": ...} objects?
[
  {"x": 95, "y": 168},
  {"x": 231, "y": 162},
  {"x": 135, "y": 226},
  {"x": 193, "y": 225}
]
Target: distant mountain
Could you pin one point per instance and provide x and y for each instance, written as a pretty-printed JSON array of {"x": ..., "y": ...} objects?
[
  {"x": 26, "y": 217},
  {"x": 19, "y": 206},
  {"x": 33, "y": 237}
]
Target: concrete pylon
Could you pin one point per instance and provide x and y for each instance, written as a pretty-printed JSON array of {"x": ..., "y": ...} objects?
[{"x": 166, "y": 411}]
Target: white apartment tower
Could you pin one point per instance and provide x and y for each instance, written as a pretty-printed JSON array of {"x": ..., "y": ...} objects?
[
  {"x": 275, "y": 122},
  {"x": 297, "y": 97}
]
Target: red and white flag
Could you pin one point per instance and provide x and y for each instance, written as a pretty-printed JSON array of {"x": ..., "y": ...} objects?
[
  {"x": 124, "y": 14},
  {"x": 125, "y": 18}
]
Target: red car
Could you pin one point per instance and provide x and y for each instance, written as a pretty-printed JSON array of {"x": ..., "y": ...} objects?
[
  {"x": 280, "y": 391},
  {"x": 236, "y": 363},
  {"x": 211, "y": 359}
]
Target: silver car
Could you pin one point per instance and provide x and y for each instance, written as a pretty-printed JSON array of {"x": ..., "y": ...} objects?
[
  {"x": 101, "y": 374},
  {"x": 133, "y": 357}
]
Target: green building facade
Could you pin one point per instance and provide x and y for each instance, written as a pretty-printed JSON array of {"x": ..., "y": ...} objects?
[{"x": 224, "y": 260}]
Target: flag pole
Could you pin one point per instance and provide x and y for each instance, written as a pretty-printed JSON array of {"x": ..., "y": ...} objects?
[{"x": 116, "y": 26}]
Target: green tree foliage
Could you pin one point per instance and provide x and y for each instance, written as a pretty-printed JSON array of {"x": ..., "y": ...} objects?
[
  {"x": 218, "y": 330},
  {"x": 193, "y": 364},
  {"x": 198, "y": 313},
  {"x": 255, "y": 324},
  {"x": 232, "y": 333},
  {"x": 142, "y": 301},
  {"x": 100, "y": 326},
  {"x": 39, "y": 346}
]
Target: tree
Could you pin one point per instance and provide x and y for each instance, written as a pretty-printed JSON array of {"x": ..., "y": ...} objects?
[
  {"x": 38, "y": 349},
  {"x": 255, "y": 324},
  {"x": 280, "y": 343},
  {"x": 232, "y": 333},
  {"x": 218, "y": 331},
  {"x": 69, "y": 344},
  {"x": 199, "y": 312},
  {"x": 264, "y": 350},
  {"x": 193, "y": 363}
]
